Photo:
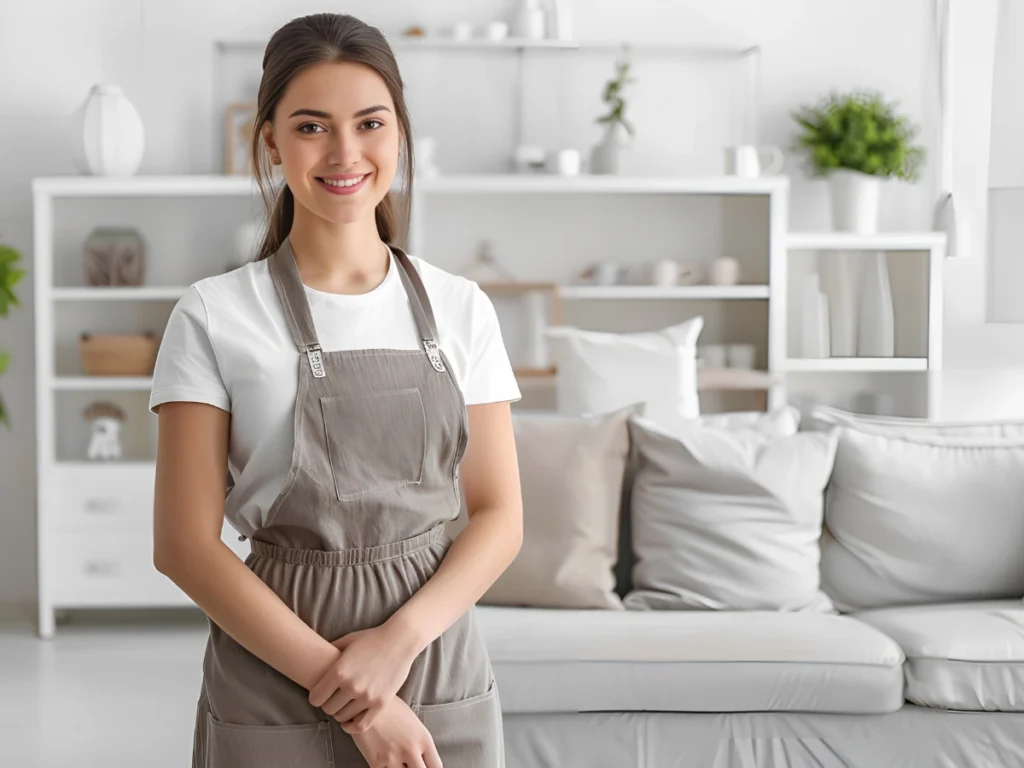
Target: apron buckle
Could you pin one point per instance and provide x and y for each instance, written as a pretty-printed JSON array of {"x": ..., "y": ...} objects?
[
  {"x": 434, "y": 355},
  {"x": 316, "y": 361}
]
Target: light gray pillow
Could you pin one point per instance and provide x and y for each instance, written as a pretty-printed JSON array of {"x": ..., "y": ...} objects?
[
  {"x": 729, "y": 519},
  {"x": 920, "y": 514}
]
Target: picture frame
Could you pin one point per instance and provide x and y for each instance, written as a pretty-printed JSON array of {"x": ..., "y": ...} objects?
[{"x": 238, "y": 124}]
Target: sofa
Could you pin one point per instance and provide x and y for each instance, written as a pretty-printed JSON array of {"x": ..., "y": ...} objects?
[{"x": 763, "y": 590}]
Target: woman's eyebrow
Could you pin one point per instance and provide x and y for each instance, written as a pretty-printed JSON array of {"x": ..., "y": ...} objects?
[{"x": 327, "y": 115}]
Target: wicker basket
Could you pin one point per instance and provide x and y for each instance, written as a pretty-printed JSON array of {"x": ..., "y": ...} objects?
[{"x": 118, "y": 354}]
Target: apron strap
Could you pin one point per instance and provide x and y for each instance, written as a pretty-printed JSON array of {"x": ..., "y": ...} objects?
[
  {"x": 292, "y": 295},
  {"x": 421, "y": 308}
]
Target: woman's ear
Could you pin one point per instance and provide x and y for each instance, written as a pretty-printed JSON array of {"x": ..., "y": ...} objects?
[{"x": 267, "y": 132}]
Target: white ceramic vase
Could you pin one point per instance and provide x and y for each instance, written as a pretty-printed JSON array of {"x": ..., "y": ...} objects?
[
  {"x": 815, "y": 338},
  {"x": 605, "y": 156},
  {"x": 876, "y": 335},
  {"x": 854, "y": 201},
  {"x": 840, "y": 279},
  {"x": 108, "y": 135}
]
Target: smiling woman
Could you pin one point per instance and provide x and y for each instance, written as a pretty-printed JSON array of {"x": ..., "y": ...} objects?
[
  {"x": 359, "y": 397},
  {"x": 306, "y": 122}
]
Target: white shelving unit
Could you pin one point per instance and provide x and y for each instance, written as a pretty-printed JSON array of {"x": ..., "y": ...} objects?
[
  {"x": 94, "y": 531},
  {"x": 923, "y": 337}
]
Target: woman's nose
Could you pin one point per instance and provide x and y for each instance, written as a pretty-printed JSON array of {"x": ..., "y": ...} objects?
[{"x": 345, "y": 150}]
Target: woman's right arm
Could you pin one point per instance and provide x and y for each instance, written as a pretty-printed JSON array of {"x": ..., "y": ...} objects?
[{"x": 187, "y": 547}]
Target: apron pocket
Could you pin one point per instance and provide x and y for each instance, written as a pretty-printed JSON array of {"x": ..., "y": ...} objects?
[
  {"x": 467, "y": 733},
  {"x": 376, "y": 442},
  {"x": 267, "y": 746}
]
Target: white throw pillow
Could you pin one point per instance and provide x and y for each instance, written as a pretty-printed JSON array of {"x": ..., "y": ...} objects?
[
  {"x": 603, "y": 372},
  {"x": 729, "y": 519},
  {"x": 924, "y": 516}
]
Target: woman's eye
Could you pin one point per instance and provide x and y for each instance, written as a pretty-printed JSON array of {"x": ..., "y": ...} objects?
[
  {"x": 304, "y": 126},
  {"x": 374, "y": 123}
]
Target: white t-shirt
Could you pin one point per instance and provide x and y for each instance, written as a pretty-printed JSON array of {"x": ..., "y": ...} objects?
[{"x": 227, "y": 344}]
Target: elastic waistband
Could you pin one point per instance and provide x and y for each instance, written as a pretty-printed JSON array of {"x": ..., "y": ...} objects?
[{"x": 342, "y": 557}]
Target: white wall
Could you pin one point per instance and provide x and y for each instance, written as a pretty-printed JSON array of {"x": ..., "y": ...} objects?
[{"x": 161, "y": 53}]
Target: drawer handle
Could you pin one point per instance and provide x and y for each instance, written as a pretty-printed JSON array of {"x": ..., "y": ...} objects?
[
  {"x": 102, "y": 506},
  {"x": 102, "y": 567}
]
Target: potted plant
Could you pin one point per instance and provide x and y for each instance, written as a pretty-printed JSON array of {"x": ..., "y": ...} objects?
[
  {"x": 855, "y": 140},
  {"x": 604, "y": 158},
  {"x": 9, "y": 277}
]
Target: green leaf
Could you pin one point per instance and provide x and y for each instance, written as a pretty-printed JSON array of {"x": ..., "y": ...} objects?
[{"x": 5, "y": 358}]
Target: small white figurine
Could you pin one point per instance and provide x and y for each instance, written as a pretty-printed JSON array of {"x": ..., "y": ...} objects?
[{"x": 105, "y": 430}]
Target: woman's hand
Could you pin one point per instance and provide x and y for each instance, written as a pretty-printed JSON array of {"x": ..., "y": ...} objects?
[
  {"x": 373, "y": 665},
  {"x": 397, "y": 739}
]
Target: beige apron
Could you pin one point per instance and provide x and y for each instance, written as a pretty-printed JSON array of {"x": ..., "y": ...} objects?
[{"x": 356, "y": 531}]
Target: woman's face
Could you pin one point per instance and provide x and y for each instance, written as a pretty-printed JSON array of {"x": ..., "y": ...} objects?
[{"x": 337, "y": 137}]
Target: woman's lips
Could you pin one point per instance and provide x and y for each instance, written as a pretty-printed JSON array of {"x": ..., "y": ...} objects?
[{"x": 347, "y": 190}]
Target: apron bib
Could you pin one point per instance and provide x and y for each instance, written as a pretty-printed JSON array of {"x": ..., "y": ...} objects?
[{"x": 357, "y": 529}]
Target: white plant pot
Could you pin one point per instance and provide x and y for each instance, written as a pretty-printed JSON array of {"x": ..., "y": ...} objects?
[
  {"x": 854, "y": 201},
  {"x": 108, "y": 136}
]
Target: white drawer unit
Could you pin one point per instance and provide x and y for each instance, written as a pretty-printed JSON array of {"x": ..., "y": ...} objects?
[
  {"x": 96, "y": 541},
  {"x": 98, "y": 497},
  {"x": 100, "y": 570}
]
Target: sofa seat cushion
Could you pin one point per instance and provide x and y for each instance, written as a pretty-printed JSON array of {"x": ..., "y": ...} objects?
[
  {"x": 689, "y": 661},
  {"x": 964, "y": 656}
]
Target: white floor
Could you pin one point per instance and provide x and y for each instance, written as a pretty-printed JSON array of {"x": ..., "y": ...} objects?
[{"x": 102, "y": 694}]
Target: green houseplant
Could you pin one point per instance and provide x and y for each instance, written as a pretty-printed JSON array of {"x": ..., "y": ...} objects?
[
  {"x": 605, "y": 156},
  {"x": 10, "y": 274},
  {"x": 855, "y": 140}
]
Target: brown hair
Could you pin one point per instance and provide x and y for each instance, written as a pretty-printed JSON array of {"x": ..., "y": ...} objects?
[{"x": 302, "y": 42}]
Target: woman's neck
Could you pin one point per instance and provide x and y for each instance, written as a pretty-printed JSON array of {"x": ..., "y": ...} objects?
[{"x": 338, "y": 258}]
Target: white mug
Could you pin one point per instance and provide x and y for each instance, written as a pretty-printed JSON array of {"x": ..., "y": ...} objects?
[
  {"x": 744, "y": 160},
  {"x": 568, "y": 162},
  {"x": 462, "y": 30},
  {"x": 712, "y": 355},
  {"x": 497, "y": 30},
  {"x": 742, "y": 356},
  {"x": 725, "y": 270}
]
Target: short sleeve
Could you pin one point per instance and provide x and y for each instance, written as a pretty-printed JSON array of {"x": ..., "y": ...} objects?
[
  {"x": 489, "y": 375},
  {"x": 186, "y": 365}
]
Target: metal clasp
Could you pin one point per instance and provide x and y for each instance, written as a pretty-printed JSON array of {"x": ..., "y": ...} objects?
[
  {"x": 316, "y": 361},
  {"x": 434, "y": 355}
]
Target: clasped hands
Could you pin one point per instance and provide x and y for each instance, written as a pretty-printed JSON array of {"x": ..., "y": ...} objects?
[{"x": 366, "y": 677}]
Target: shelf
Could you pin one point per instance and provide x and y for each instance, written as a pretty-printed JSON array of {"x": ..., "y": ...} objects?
[
  {"x": 738, "y": 379},
  {"x": 195, "y": 185},
  {"x": 401, "y": 42},
  {"x": 525, "y": 372},
  {"x": 86, "y": 383},
  {"x": 512, "y": 183},
  {"x": 519, "y": 183},
  {"x": 856, "y": 364},
  {"x": 708, "y": 379},
  {"x": 848, "y": 241},
  {"x": 691, "y": 292},
  {"x": 126, "y": 293}
]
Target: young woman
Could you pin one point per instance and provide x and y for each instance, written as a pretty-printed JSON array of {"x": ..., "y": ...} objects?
[{"x": 351, "y": 390}]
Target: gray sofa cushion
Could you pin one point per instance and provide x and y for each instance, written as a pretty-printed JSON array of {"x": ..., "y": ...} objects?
[
  {"x": 965, "y": 656},
  {"x": 689, "y": 661}
]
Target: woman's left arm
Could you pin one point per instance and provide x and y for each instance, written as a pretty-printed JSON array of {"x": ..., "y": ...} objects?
[
  {"x": 490, "y": 541},
  {"x": 375, "y": 662}
]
